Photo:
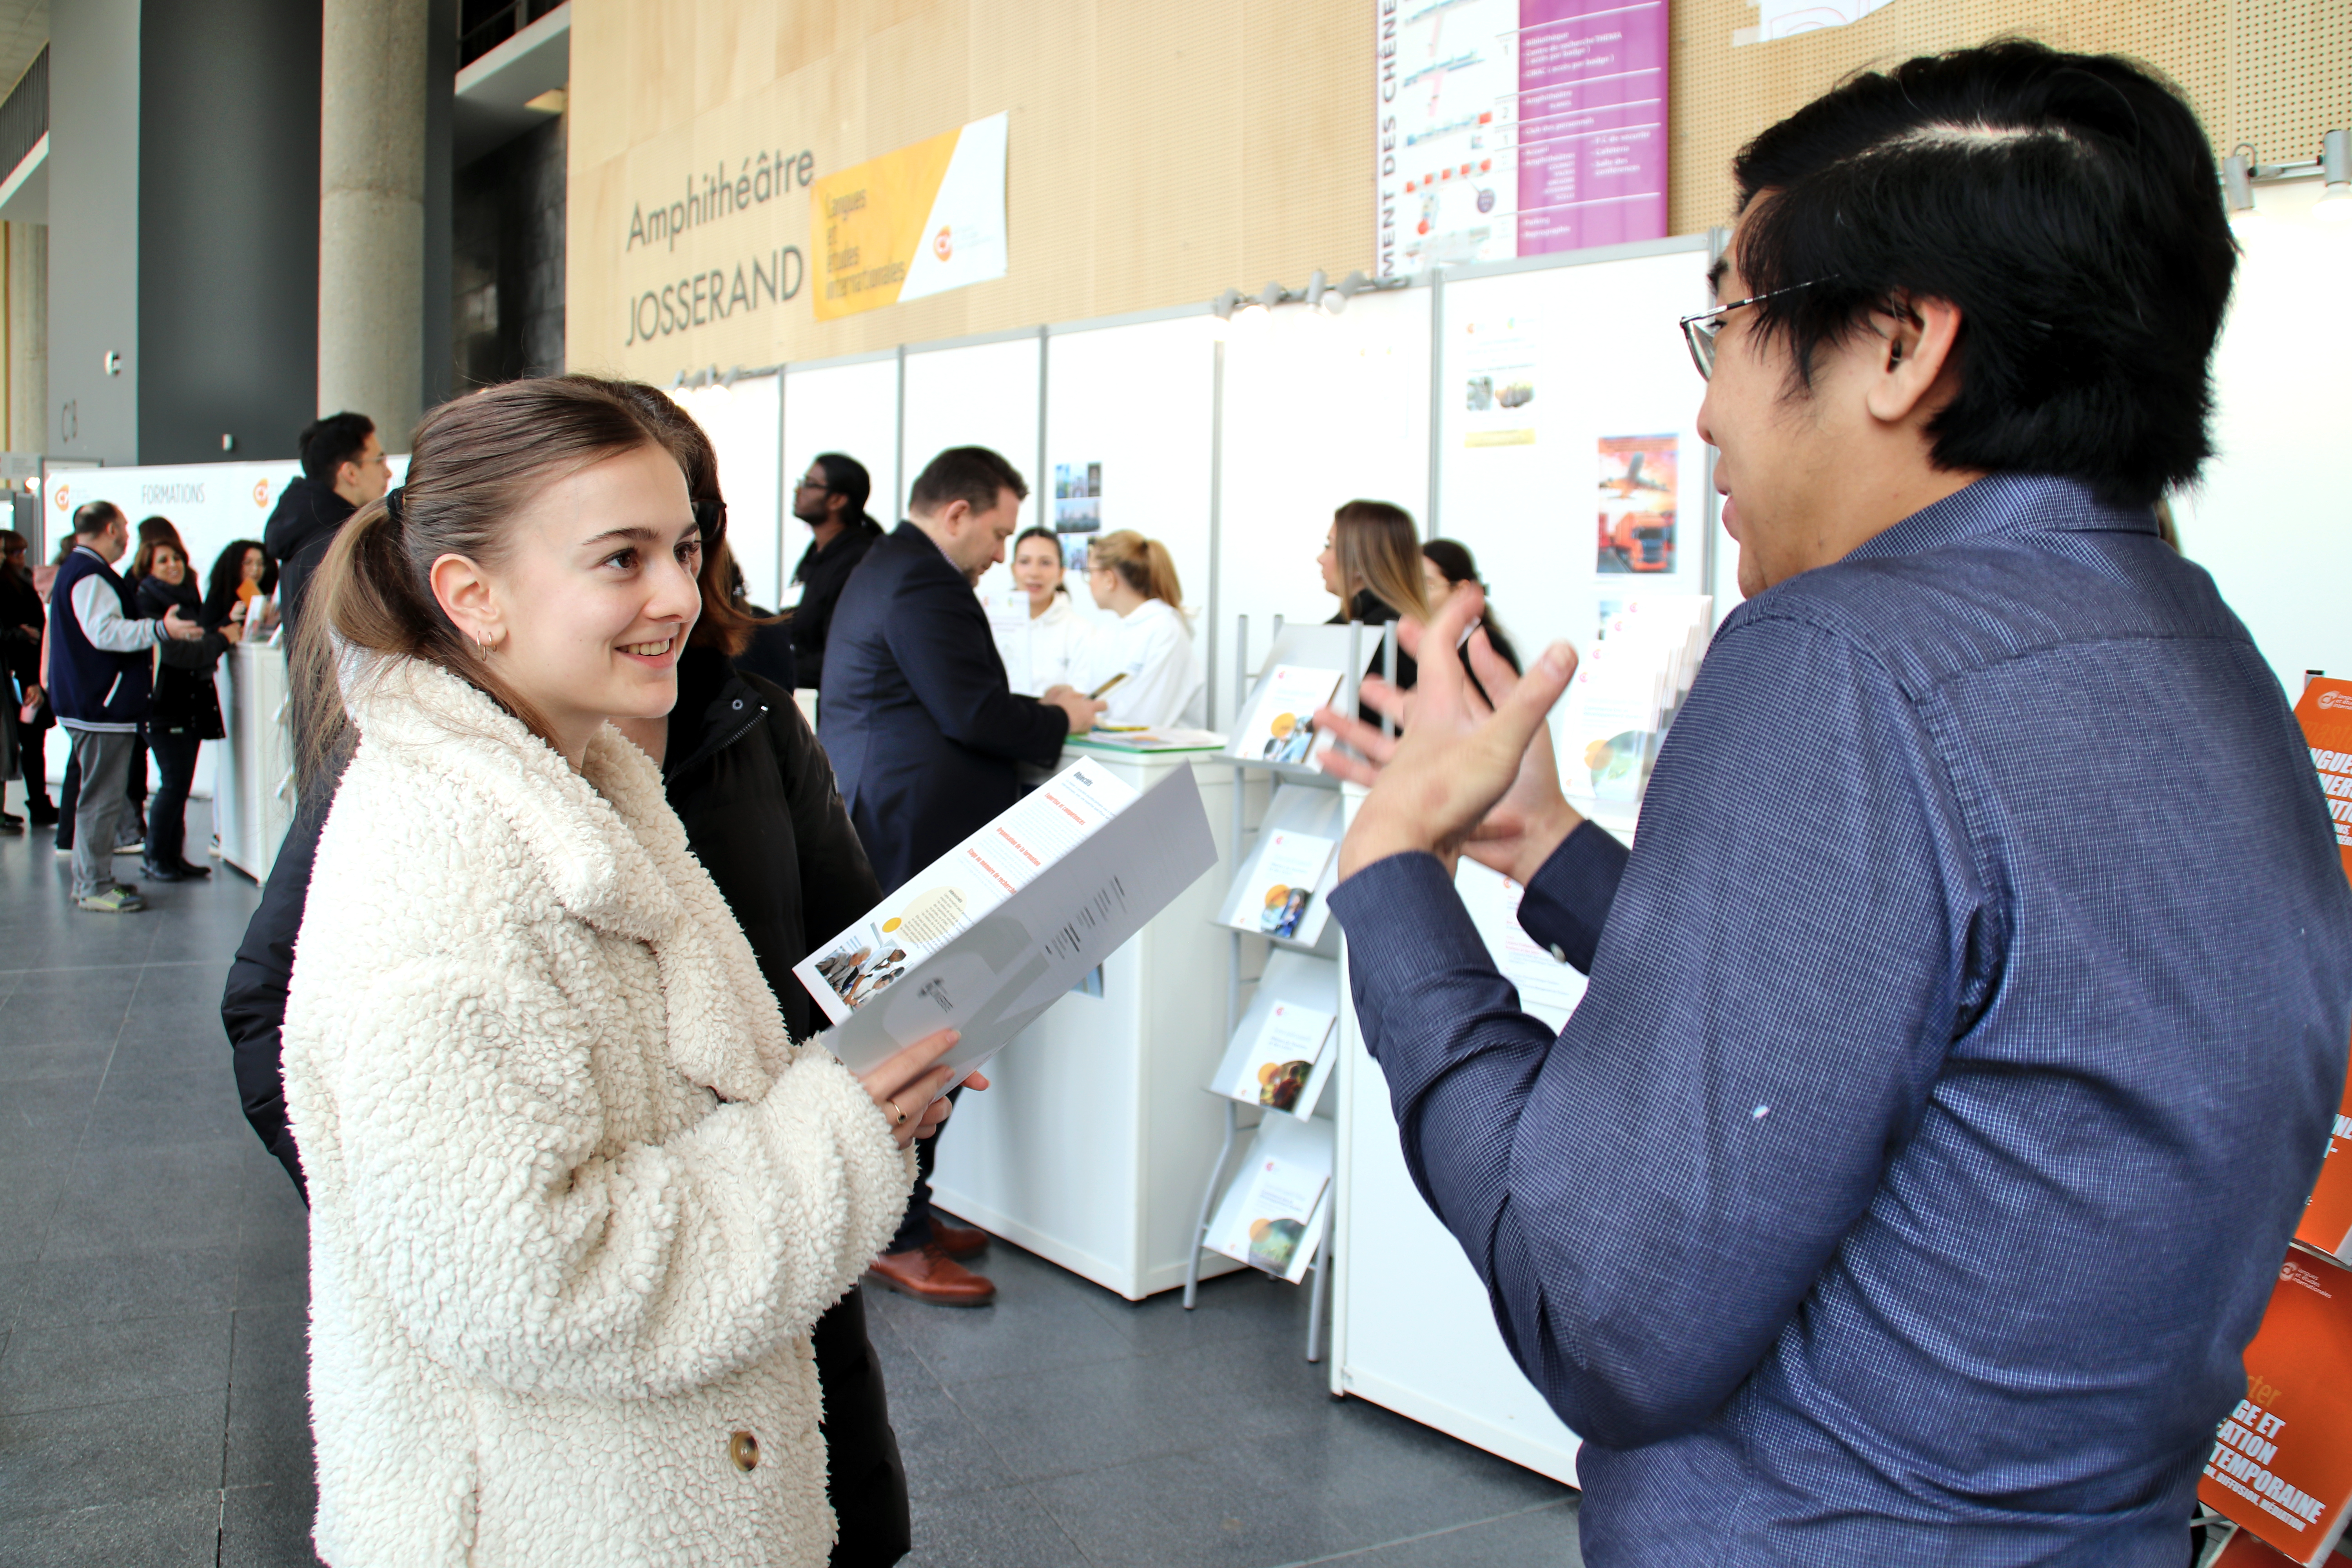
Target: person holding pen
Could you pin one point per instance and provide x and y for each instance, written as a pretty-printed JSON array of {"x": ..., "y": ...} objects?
[{"x": 1163, "y": 685}]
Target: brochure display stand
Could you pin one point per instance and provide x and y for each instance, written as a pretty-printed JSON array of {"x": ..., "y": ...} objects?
[
  {"x": 1275, "y": 1212},
  {"x": 1088, "y": 1148},
  {"x": 253, "y": 784}
]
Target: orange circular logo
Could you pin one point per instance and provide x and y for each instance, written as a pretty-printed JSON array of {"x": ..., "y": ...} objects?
[
  {"x": 942, "y": 244},
  {"x": 261, "y": 492},
  {"x": 60, "y": 494}
]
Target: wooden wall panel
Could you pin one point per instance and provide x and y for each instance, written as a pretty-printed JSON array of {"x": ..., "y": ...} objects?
[{"x": 1160, "y": 154}]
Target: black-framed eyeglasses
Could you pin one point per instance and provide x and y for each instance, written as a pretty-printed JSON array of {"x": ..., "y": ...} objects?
[
  {"x": 1700, "y": 330},
  {"x": 709, "y": 521}
]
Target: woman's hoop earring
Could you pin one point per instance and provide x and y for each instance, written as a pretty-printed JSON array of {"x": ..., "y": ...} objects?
[{"x": 482, "y": 645}]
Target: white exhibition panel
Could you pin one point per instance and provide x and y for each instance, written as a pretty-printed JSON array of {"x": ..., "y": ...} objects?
[
  {"x": 2272, "y": 518},
  {"x": 1319, "y": 411},
  {"x": 848, "y": 409},
  {"x": 1607, "y": 360},
  {"x": 743, "y": 423},
  {"x": 981, "y": 395},
  {"x": 1140, "y": 401},
  {"x": 1414, "y": 1330}
]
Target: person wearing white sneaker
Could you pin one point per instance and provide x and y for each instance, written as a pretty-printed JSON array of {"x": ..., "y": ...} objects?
[{"x": 100, "y": 674}]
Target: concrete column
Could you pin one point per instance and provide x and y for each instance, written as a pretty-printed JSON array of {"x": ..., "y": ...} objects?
[
  {"x": 28, "y": 337},
  {"x": 371, "y": 213}
]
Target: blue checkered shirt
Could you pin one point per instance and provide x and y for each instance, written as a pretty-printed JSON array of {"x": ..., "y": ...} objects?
[{"x": 1962, "y": 1040}]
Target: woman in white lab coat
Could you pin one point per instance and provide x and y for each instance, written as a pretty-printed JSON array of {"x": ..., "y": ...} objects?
[
  {"x": 1046, "y": 647},
  {"x": 1152, "y": 643}
]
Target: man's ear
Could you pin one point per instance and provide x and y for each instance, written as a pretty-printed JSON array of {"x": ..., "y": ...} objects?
[
  {"x": 954, "y": 516},
  {"x": 465, "y": 596},
  {"x": 1917, "y": 339},
  {"x": 346, "y": 474}
]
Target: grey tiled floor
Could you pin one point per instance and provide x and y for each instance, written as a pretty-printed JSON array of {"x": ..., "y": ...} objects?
[{"x": 151, "y": 1313}]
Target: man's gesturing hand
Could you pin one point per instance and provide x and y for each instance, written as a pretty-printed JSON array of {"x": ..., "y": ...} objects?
[{"x": 1463, "y": 775}]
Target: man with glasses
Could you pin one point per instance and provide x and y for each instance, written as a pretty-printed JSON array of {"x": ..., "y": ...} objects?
[
  {"x": 1964, "y": 1029},
  {"x": 831, "y": 499}
]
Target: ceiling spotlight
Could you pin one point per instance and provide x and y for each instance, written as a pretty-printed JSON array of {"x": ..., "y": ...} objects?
[
  {"x": 728, "y": 381},
  {"x": 1273, "y": 294},
  {"x": 1317, "y": 284},
  {"x": 1226, "y": 304},
  {"x": 1334, "y": 299},
  {"x": 2238, "y": 185},
  {"x": 2335, "y": 167},
  {"x": 678, "y": 380}
]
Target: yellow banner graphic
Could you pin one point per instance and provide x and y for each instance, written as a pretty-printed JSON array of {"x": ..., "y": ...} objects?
[{"x": 912, "y": 223}]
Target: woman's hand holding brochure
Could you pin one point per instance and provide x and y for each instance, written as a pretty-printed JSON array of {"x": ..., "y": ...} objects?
[
  {"x": 907, "y": 1087},
  {"x": 1462, "y": 776}
]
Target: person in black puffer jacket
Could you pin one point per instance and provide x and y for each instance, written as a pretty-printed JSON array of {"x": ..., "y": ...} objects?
[{"x": 185, "y": 712}]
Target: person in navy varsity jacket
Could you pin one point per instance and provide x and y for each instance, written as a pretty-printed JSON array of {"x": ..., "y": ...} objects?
[{"x": 100, "y": 675}]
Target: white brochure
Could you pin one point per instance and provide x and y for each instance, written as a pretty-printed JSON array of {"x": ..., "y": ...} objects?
[
  {"x": 1286, "y": 1054},
  {"x": 1281, "y": 726},
  {"x": 1284, "y": 878},
  {"x": 1549, "y": 988},
  {"x": 1274, "y": 1213},
  {"x": 990, "y": 935}
]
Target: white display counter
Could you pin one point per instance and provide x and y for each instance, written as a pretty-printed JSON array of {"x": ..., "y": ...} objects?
[
  {"x": 252, "y": 781},
  {"x": 1090, "y": 1149}
]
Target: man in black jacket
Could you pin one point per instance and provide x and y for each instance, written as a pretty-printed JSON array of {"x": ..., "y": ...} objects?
[
  {"x": 344, "y": 469},
  {"x": 926, "y": 738},
  {"x": 832, "y": 501}
]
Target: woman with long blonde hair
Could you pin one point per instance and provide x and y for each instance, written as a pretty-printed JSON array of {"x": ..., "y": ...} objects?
[
  {"x": 1150, "y": 647},
  {"x": 1371, "y": 563}
]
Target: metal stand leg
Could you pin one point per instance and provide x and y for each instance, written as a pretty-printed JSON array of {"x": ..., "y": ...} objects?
[
  {"x": 1322, "y": 1267},
  {"x": 1208, "y": 1202}
]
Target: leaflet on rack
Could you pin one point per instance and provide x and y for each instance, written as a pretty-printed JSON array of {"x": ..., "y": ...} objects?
[
  {"x": 1273, "y": 1214},
  {"x": 1281, "y": 725},
  {"x": 1283, "y": 882},
  {"x": 991, "y": 934},
  {"x": 1288, "y": 1053}
]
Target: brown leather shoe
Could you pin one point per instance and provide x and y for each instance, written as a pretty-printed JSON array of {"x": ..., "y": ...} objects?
[
  {"x": 928, "y": 1274},
  {"x": 959, "y": 1240}
]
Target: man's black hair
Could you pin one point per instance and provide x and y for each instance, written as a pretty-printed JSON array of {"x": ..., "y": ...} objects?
[
  {"x": 971, "y": 475},
  {"x": 330, "y": 442},
  {"x": 90, "y": 518},
  {"x": 2068, "y": 205},
  {"x": 845, "y": 477}
]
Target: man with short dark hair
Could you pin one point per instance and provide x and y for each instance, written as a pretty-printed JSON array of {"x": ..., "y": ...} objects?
[
  {"x": 831, "y": 499},
  {"x": 101, "y": 675},
  {"x": 1964, "y": 1029},
  {"x": 926, "y": 738},
  {"x": 344, "y": 469}
]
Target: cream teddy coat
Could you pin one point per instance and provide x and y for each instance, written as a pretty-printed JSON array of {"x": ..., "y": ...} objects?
[{"x": 576, "y": 1198}]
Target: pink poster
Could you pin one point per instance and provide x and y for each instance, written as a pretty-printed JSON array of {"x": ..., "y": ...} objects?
[
  {"x": 1510, "y": 128},
  {"x": 1591, "y": 123}
]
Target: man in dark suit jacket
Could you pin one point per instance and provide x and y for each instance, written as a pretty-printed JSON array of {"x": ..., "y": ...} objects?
[{"x": 925, "y": 737}]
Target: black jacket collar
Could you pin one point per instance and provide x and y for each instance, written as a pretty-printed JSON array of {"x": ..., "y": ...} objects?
[{"x": 715, "y": 708}]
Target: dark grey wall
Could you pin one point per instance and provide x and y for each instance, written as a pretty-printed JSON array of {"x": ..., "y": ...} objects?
[
  {"x": 93, "y": 172},
  {"x": 440, "y": 98},
  {"x": 508, "y": 262},
  {"x": 228, "y": 228}
]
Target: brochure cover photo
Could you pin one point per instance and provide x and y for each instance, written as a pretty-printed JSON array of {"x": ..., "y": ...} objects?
[{"x": 1280, "y": 727}]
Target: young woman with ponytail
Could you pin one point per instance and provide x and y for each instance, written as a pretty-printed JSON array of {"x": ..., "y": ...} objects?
[
  {"x": 577, "y": 1197},
  {"x": 1152, "y": 643}
]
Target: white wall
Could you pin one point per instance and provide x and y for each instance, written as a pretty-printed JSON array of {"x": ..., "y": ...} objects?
[
  {"x": 2272, "y": 518},
  {"x": 983, "y": 395},
  {"x": 1319, "y": 411},
  {"x": 1139, "y": 400},
  {"x": 742, "y": 422}
]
